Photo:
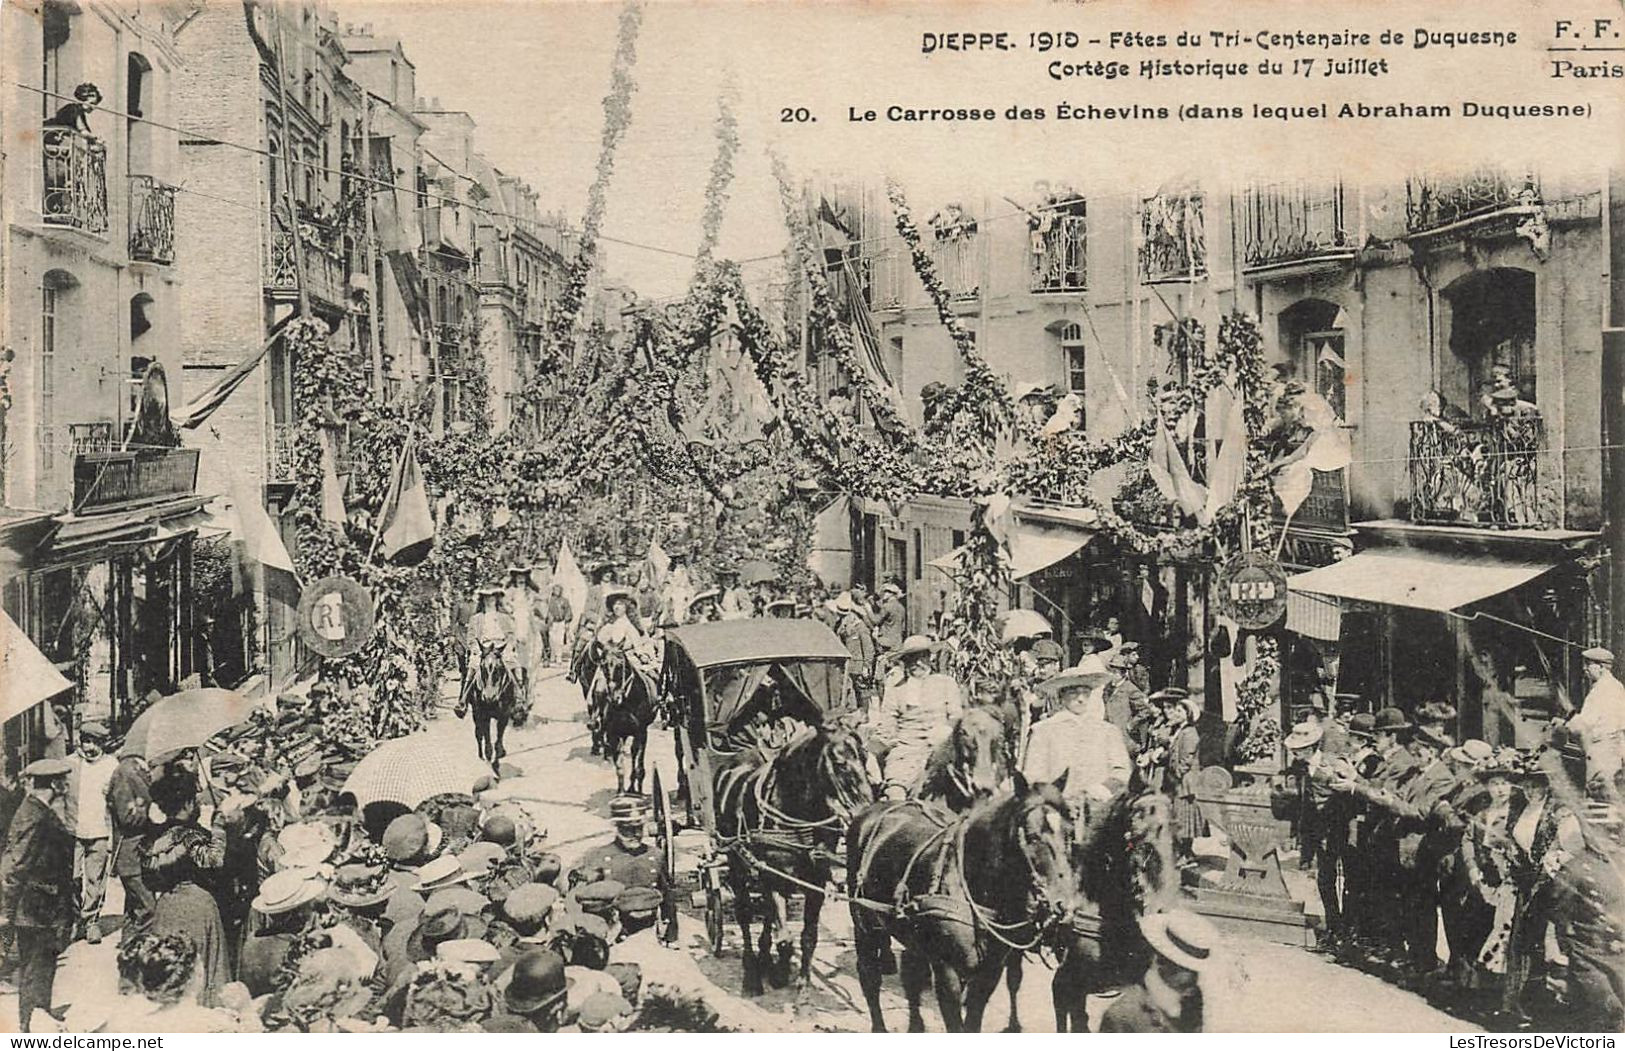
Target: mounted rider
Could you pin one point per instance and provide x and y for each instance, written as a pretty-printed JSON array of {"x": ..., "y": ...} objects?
[
  {"x": 491, "y": 625},
  {"x": 621, "y": 629},
  {"x": 913, "y": 717},
  {"x": 1079, "y": 742}
]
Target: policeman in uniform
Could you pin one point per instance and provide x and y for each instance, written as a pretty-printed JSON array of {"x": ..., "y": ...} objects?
[
  {"x": 36, "y": 873},
  {"x": 629, "y": 860}
]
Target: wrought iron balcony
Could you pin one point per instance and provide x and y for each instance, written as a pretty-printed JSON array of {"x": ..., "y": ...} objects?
[
  {"x": 152, "y": 220},
  {"x": 1173, "y": 239},
  {"x": 1293, "y": 223},
  {"x": 279, "y": 453},
  {"x": 956, "y": 263},
  {"x": 1478, "y": 472},
  {"x": 110, "y": 480},
  {"x": 75, "y": 170},
  {"x": 324, "y": 274},
  {"x": 1060, "y": 257},
  {"x": 1434, "y": 202}
]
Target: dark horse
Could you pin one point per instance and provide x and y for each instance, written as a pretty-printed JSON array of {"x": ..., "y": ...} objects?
[
  {"x": 1123, "y": 859},
  {"x": 620, "y": 708},
  {"x": 781, "y": 805},
  {"x": 961, "y": 893},
  {"x": 969, "y": 765},
  {"x": 493, "y": 694}
]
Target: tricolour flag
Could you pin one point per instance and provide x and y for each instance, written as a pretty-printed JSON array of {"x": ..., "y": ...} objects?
[
  {"x": 406, "y": 524},
  {"x": 568, "y": 576},
  {"x": 1173, "y": 478},
  {"x": 332, "y": 491}
]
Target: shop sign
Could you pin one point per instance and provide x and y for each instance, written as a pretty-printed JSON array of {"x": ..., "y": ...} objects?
[
  {"x": 336, "y": 617},
  {"x": 1252, "y": 590}
]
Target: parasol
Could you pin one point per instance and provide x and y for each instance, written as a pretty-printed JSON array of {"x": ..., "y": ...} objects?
[
  {"x": 1025, "y": 624},
  {"x": 758, "y": 571},
  {"x": 185, "y": 720},
  {"x": 410, "y": 769}
]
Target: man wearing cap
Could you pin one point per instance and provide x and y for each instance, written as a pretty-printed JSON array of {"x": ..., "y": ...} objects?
[
  {"x": 853, "y": 629},
  {"x": 1601, "y": 724},
  {"x": 36, "y": 871},
  {"x": 93, "y": 772},
  {"x": 1127, "y": 707},
  {"x": 893, "y": 617},
  {"x": 913, "y": 717},
  {"x": 1396, "y": 766},
  {"x": 1078, "y": 742}
]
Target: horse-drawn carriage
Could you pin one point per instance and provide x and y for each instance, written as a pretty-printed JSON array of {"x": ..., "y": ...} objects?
[{"x": 769, "y": 761}]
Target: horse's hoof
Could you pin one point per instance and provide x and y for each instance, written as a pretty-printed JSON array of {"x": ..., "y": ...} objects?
[
  {"x": 916, "y": 1025},
  {"x": 1013, "y": 1027}
]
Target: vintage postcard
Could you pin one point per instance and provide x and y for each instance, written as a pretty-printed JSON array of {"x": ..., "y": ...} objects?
[{"x": 673, "y": 516}]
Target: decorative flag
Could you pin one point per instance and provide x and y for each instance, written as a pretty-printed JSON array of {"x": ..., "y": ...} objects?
[
  {"x": 1224, "y": 474},
  {"x": 406, "y": 523},
  {"x": 260, "y": 542},
  {"x": 568, "y": 576},
  {"x": 1173, "y": 478},
  {"x": 200, "y": 408},
  {"x": 332, "y": 491}
]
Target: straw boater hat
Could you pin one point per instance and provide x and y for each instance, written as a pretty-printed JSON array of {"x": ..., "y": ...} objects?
[
  {"x": 843, "y": 603},
  {"x": 285, "y": 891},
  {"x": 1182, "y": 937},
  {"x": 708, "y": 595},
  {"x": 444, "y": 871},
  {"x": 360, "y": 886},
  {"x": 1471, "y": 751},
  {"x": 305, "y": 845},
  {"x": 1303, "y": 735}
]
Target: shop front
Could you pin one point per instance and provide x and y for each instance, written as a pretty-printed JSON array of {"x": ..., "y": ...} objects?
[{"x": 1491, "y": 623}]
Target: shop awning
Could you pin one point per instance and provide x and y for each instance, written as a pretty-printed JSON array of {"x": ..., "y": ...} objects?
[
  {"x": 1030, "y": 551},
  {"x": 26, "y": 676},
  {"x": 1417, "y": 579}
]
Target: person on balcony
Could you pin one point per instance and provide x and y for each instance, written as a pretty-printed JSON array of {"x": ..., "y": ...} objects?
[{"x": 75, "y": 115}]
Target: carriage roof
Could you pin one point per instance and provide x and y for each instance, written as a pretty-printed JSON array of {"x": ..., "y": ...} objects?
[{"x": 757, "y": 641}]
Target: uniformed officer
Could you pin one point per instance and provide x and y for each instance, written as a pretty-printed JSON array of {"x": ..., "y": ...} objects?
[
  {"x": 1419, "y": 851},
  {"x": 628, "y": 860},
  {"x": 1395, "y": 768},
  {"x": 36, "y": 872}
]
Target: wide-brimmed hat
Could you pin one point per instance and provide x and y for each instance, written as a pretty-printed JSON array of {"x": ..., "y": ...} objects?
[
  {"x": 1437, "y": 734},
  {"x": 1436, "y": 712},
  {"x": 1182, "y": 937},
  {"x": 708, "y": 595},
  {"x": 1169, "y": 695},
  {"x": 1072, "y": 680},
  {"x": 305, "y": 845},
  {"x": 444, "y": 871},
  {"x": 1093, "y": 642},
  {"x": 1391, "y": 719},
  {"x": 914, "y": 646},
  {"x": 448, "y": 924},
  {"x": 1303, "y": 735},
  {"x": 489, "y": 589},
  {"x": 360, "y": 886},
  {"x": 616, "y": 594},
  {"x": 843, "y": 603},
  {"x": 782, "y": 603},
  {"x": 285, "y": 891},
  {"x": 1472, "y": 751}
]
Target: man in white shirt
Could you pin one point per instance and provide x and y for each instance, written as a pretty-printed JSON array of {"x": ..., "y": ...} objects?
[
  {"x": 913, "y": 717},
  {"x": 92, "y": 773},
  {"x": 1601, "y": 723},
  {"x": 1079, "y": 742}
]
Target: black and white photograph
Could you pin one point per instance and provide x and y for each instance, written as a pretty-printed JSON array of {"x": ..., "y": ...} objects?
[{"x": 600, "y": 517}]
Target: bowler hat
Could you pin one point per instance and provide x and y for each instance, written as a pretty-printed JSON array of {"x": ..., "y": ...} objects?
[
  {"x": 538, "y": 982},
  {"x": 1391, "y": 719},
  {"x": 1471, "y": 751},
  {"x": 1362, "y": 724}
]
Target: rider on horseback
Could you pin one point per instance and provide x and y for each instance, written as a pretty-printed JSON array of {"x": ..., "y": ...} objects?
[
  {"x": 622, "y": 631},
  {"x": 490, "y": 625}
]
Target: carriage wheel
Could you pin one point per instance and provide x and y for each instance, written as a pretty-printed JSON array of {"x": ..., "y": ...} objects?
[
  {"x": 665, "y": 839},
  {"x": 714, "y": 919}
]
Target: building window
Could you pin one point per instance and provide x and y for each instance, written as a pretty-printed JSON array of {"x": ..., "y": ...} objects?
[
  {"x": 919, "y": 554},
  {"x": 1073, "y": 357},
  {"x": 49, "y": 304}
]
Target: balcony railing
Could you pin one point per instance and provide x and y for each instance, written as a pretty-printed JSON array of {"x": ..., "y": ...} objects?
[
  {"x": 108, "y": 480},
  {"x": 1431, "y": 203},
  {"x": 75, "y": 170},
  {"x": 1480, "y": 472},
  {"x": 1173, "y": 239},
  {"x": 152, "y": 220},
  {"x": 957, "y": 265},
  {"x": 279, "y": 452},
  {"x": 1293, "y": 223},
  {"x": 1060, "y": 255},
  {"x": 449, "y": 333},
  {"x": 324, "y": 275}
]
